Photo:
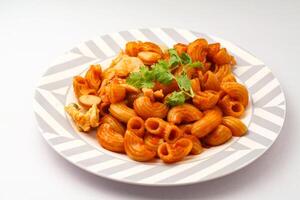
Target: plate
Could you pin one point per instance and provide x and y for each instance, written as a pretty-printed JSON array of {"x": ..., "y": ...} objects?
[{"x": 264, "y": 116}]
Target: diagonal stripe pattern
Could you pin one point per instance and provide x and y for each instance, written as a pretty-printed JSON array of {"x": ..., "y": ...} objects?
[{"x": 50, "y": 97}]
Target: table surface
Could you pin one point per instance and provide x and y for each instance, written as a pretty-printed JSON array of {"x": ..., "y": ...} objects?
[{"x": 33, "y": 33}]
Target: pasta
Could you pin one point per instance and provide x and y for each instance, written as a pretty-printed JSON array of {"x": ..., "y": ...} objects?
[
  {"x": 114, "y": 124},
  {"x": 136, "y": 149},
  {"x": 198, "y": 50},
  {"x": 136, "y": 125},
  {"x": 236, "y": 91},
  {"x": 222, "y": 71},
  {"x": 153, "y": 102},
  {"x": 185, "y": 113},
  {"x": 81, "y": 87},
  {"x": 230, "y": 107},
  {"x": 171, "y": 153},
  {"x": 155, "y": 125},
  {"x": 116, "y": 93},
  {"x": 211, "y": 81},
  {"x": 206, "y": 100},
  {"x": 237, "y": 127},
  {"x": 197, "y": 147},
  {"x": 145, "y": 108},
  {"x": 152, "y": 142},
  {"x": 110, "y": 139},
  {"x": 148, "y": 57},
  {"x": 180, "y": 48},
  {"x": 93, "y": 76},
  {"x": 172, "y": 133},
  {"x": 219, "y": 136},
  {"x": 121, "y": 111},
  {"x": 211, "y": 119}
]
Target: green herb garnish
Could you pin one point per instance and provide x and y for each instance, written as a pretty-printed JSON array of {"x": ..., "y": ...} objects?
[
  {"x": 175, "y": 98},
  {"x": 161, "y": 72}
]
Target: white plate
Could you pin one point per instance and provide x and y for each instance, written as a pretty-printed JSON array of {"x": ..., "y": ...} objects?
[{"x": 264, "y": 116}]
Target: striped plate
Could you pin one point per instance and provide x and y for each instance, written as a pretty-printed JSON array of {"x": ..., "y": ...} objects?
[{"x": 264, "y": 117}]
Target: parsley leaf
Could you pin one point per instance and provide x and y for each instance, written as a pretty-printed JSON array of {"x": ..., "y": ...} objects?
[
  {"x": 184, "y": 82},
  {"x": 185, "y": 58},
  {"x": 161, "y": 72},
  {"x": 174, "y": 58},
  {"x": 142, "y": 79},
  {"x": 176, "y": 98}
]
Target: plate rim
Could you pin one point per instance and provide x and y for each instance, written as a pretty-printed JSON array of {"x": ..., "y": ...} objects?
[{"x": 176, "y": 183}]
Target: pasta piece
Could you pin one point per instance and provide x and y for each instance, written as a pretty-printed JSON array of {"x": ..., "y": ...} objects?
[
  {"x": 152, "y": 142},
  {"x": 236, "y": 91},
  {"x": 222, "y": 57},
  {"x": 151, "y": 47},
  {"x": 172, "y": 133},
  {"x": 110, "y": 139},
  {"x": 155, "y": 125},
  {"x": 197, "y": 147},
  {"x": 198, "y": 50},
  {"x": 196, "y": 85},
  {"x": 93, "y": 76},
  {"x": 180, "y": 48},
  {"x": 219, "y": 136},
  {"x": 211, "y": 119},
  {"x": 230, "y": 107},
  {"x": 116, "y": 93},
  {"x": 136, "y": 125},
  {"x": 207, "y": 66},
  {"x": 136, "y": 149},
  {"x": 222, "y": 71},
  {"x": 132, "y": 48},
  {"x": 237, "y": 127},
  {"x": 229, "y": 78},
  {"x": 171, "y": 153},
  {"x": 121, "y": 111},
  {"x": 206, "y": 100},
  {"x": 145, "y": 108},
  {"x": 212, "y": 50},
  {"x": 211, "y": 81},
  {"x": 184, "y": 113},
  {"x": 81, "y": 87},
  {"x": 186, "y": 129},
  {"x": 148, "y": 57},
  {"x": 201, "y": 79},
  {"x": 84, "y": 121},
  {"x": 114, "y": 124}
]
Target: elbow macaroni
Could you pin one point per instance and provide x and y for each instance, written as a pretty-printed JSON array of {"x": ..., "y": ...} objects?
[
  {"x": 139, "y": 122},
  {"x": 185, "y": 113}
]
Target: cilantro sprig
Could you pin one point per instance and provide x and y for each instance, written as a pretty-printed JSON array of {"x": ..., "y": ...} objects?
[
  {"x": 161, "y": 72},
  {"x": 175, "y": 98}
]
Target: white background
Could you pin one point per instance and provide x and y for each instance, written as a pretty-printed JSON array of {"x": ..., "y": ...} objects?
[{"x": 33, "y": 33}]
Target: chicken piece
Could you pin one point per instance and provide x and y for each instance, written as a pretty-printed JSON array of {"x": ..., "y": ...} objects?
[
  {"x": 84, "y": 120},
  {"x": 127, "y": 65}
]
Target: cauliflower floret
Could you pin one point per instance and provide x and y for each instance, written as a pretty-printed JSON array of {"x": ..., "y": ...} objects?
[{"x": 84, "y": 120}]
